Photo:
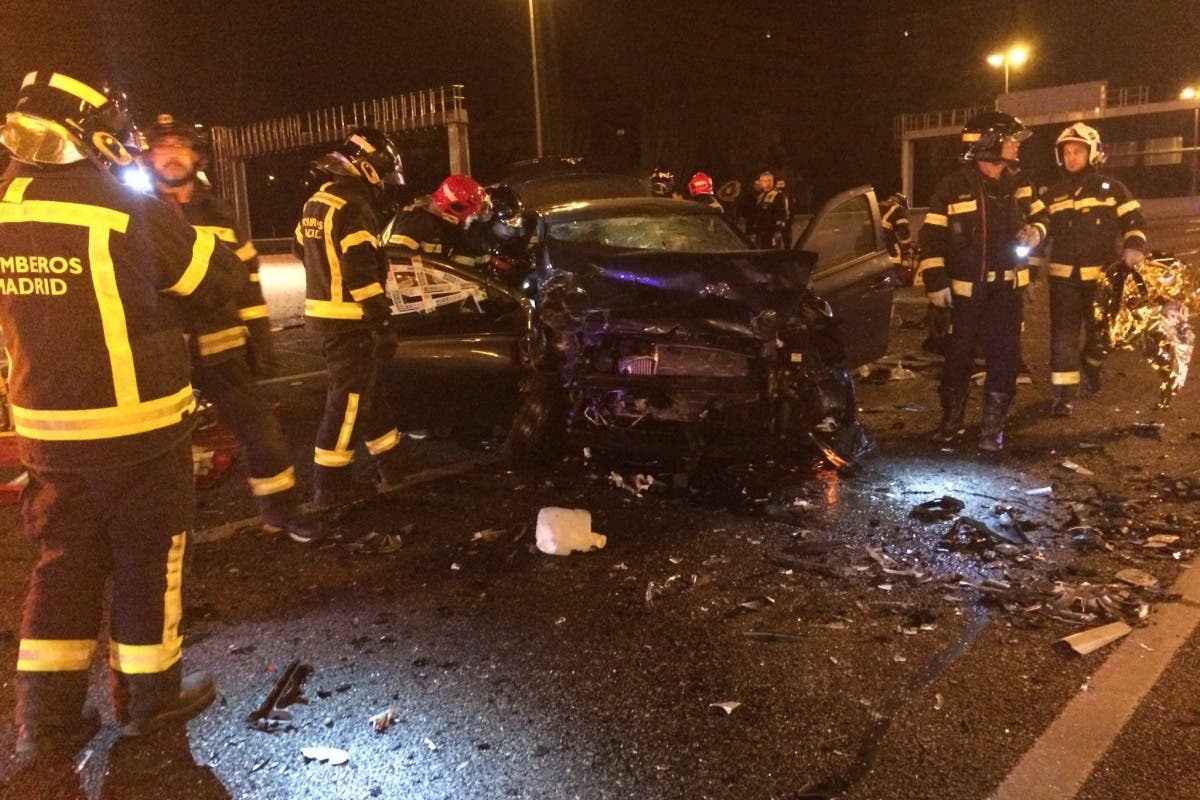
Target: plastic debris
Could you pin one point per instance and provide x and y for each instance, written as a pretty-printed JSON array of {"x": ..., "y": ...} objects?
[
  {"x": 383, "y": 720},
  {"x": 287, "y": 690},
  {"x": 1041, "y": 491},
  {"x": 728, "y": 707},
  {"x": 944, "y": 508},
  {"x": 1091, "y": 640},
  {"x": 635, "y": 486},
  {"x": 1076, "y": 468},
  {"x": 333, "y": 755},
  {"x": 487, "y": 535},
  {"x": 562, "y": 531},
  {"x": 1137, "y": 577}
]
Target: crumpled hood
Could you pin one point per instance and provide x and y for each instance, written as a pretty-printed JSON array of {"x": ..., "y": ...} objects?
[{"x": 745, "y": 293}]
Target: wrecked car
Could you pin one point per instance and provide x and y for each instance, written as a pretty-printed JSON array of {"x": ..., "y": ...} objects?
[{"x": 650, "y": 327}]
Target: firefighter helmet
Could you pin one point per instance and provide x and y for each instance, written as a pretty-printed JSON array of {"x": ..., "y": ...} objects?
[
  {"x": 367, "y": 154},
  {"x": 508, "y": 212},
  {"x": 984, "y": 135},
  {"x": 662, "y": 183},
  {"x": 62, "y": 120},
  {"x": 460, "y": 197},
  {"x": 700, "y": 184},
  {"x": 166, "y": 125},
  {"x": 1085, "y": 135}
]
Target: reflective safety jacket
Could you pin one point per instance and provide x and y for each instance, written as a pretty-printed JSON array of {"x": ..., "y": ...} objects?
[
  {"x": 338, "y": 240},
  {"x": 894, "y": 219},
  {"x": 771, "y": 214},
  {"x": 1090, "y": 215},
  {"x": 421, "y": 228},
  {"x": 969, "y": 234},
  {"x": 218, "y": 335},
  {"x": 93, "y": 280}
]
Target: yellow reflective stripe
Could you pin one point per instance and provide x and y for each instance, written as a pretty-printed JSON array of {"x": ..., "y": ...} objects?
[
  {"x": 962, "y": 208},
  {"x": 961, "y": 288},
  {"x": 366, "y": 291},
  {"x": 1061, "y": 270},
  {"x": 1041, "y": 226},
  {"x": 1037, "y": 261},
  {"x": 252, "y": 312},
  {"x": 55, "y": 655},
  {"x": 1022, "y": 278},
  {"x": 59, "y": 213},
  {"x": 246, "y": 252},
  {"x": 1036, "y": 207},
  {"x": 299, "y": 235},
  {"x": 149, "y": 659},
  {"x": 253, "y": 277},
  {"x": 328, "y": 199},
  {"x": 331, "y": 255},
  {"x": 343, "y": 440},
  {"x": 1064, "y": 378},
  {"x": 326, "y": 309},
  {"x": 467, "y": 261},
  {"x": 333, "y": 458},
  {"x": 384, "y": 443},
  {"x": 112, "y": 318},
  {"x": 1093, "y": 202},
  {"x": 87, "y": 94},
  {"x": 1125, "y": 208},
  {"x": 1062, "y": 205},
  {"x": 222, "y": 233},
  {"x": 1023, "y": 192},
  {"x": 1135, "y": 234},
  {"x": 1090, "y": 273},
  {"x": 16, "y": 190},
  {"x": 261, "y": 487},
  {"x": 220, "y": 341},
  {"x": 404, "y": 241},
  {"x": 431, "y": 247},
  {"x": 936, "y": 219},
  {"x": 202, "y": 251},
  {"x": 102, "y": 423},
  {"x": 359, "y": 237},
  {"x": 930, "y": 263}
]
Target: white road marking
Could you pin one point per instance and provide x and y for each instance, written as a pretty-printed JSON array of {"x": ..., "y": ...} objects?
[{"x": 1061, "y": 760}]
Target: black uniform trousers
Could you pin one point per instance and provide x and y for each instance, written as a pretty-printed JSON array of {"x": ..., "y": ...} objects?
[
  {"x": 229, "y": 386},
  {"x": 129, "y": 523},
  {"x": 991, "y": 317},
  {"x": 354, "y": 409},
  {"x": 1071, "y": 307}
]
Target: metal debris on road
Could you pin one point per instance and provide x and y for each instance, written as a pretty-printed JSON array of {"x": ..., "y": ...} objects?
[
  {"x": 287, "y": 690},
  {"x": 1041, "y": 491},
  {"x": 487, "y": 535},
  {"x": 940, "y": 510},
  {"x": 728, "y": 707},
  {"x": 333, "y": 755},
  {"x": 1076, "y": 468},
  {"x": 772, "y": 636},
  {"x": 1147, "y": 430},
  {"x": 1085, "y": 537},
  {"x": 639, "y": 483},
  {"x": 672, "y": 585},
  {"x": 383, "y": 720},
  {"x": 1093, "y": 639},
  {"x": 1137, "y": 577},
  {"x": 376, "y": 544}
]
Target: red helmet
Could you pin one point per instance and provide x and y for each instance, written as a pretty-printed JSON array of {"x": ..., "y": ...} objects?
[
  {"x": 700, "y": 184},
  {"x": 461, "y": 197}
]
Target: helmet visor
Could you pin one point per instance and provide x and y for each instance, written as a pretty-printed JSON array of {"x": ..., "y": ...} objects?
[{"x": 39, "y": 141}]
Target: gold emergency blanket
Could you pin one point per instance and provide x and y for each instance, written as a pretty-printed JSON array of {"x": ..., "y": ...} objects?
[{"x": 1149, "y": 307}]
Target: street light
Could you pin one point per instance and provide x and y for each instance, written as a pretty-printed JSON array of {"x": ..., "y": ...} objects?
[
  {"x": 537, "y": 93},
  {"x": 1015, "y": 56},
  {"x": 1193, "y": 93}
]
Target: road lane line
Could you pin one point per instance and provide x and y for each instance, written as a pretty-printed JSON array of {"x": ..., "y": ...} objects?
[{"x": 1059, "y": 762}]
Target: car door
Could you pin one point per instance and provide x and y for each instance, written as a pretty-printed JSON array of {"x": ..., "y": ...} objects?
[
  {"x": 457, "y": 361},
  {"x": 852, "y": 271}
]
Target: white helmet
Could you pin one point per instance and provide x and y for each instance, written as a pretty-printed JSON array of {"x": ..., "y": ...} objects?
[{"x": 1085, "y": 135}]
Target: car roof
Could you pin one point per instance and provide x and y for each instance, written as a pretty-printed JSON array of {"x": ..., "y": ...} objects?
[
  {"x": 543, "y": 191},
  {"x": 616, "y": 206}
]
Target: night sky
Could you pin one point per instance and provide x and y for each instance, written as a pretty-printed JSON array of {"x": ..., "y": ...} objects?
[{"x": 729, "y": 86}]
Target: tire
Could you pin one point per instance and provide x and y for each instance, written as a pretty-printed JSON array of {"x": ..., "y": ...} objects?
[{"x": 536, "y": 432}]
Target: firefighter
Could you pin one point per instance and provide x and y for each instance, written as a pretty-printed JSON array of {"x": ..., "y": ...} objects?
[
  {"x": 225, "y": 360},
  {"x": 437, "y": 225},
  {"x": 1089, "y": 214},
  {"x": 662, "y": 183},
  {"x": 974, "y": 246},
  {"x": 893, "y": 215},
  {"x": 769, "y": 216},
  {"x": 92, "y": 277},
  {"x": 700, "y": 187},
  {"x": 338, "y": 239},
  {"x": 503, "y": 235}
]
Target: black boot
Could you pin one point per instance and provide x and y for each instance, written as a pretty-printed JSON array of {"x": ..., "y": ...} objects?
[
  {"x": 954, "y": 407},
  {"x": 1064, "y": 397},
  {"x": 1089, "y": 379},
  {"x": 995, "y": 410},
  {"x": 196, "y": 693}
]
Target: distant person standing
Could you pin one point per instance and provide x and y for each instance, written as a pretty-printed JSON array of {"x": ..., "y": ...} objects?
[
  {"x": 1093, "y": 221},
  {"x": 975, "y": 243},
  {"x": 769, "y": 215}
]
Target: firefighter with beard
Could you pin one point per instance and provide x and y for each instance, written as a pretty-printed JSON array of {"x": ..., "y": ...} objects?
[
  {"x": 338, "y": 240},
  {"x": 1089, "y": 214},
  {"x": 437, "y": 225},
  {"x": 92, "y": 279},
  {"x": 700, "y": 187},
  {"x": 224, "y": 362},
  {"x": 982, "y": 223}
]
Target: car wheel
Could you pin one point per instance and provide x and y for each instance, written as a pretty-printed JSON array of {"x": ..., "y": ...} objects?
[{"x": 537, "y": 426}]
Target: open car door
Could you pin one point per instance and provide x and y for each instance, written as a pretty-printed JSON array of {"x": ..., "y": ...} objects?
[{"x": 853, "y": 272}]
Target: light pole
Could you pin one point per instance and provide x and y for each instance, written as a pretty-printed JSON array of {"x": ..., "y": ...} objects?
[
  {"x": 1015, "y": 56},
  {"x": 1193, "y": 93},
  {"x": 537, "y": 91}
]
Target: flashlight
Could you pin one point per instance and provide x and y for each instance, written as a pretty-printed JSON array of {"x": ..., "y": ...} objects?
[
  {"x": 1022, "y": 250},
  {"x": 136, "y": 178}
]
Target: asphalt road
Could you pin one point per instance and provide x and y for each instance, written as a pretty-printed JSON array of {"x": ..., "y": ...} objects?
[{"x": 873, "y": 655}]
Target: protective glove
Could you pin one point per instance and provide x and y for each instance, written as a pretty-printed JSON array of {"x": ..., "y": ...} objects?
[
  {"x": 1132, "y": 257},
  {"x": 1030, "y": 236},
  {"x": 942, "y": 298}
]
